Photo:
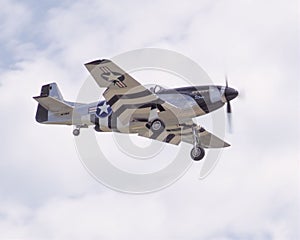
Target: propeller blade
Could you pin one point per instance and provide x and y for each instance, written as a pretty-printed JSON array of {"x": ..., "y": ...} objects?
[
  {"x": 229, "y": 107},
  {"x": 229, "y": 110}
]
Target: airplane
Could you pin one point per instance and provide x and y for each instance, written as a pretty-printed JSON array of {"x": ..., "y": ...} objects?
[{"x": 129, "y": 107}]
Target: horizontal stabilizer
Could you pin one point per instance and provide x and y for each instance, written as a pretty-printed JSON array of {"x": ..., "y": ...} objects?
[{"x": 53, "y": 104}]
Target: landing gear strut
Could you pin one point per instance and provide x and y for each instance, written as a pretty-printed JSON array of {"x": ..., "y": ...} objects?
[{"x": 197, "y": 152}]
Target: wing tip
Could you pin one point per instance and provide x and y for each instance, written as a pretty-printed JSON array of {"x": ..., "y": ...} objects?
[{"x": 96, "y": 62}]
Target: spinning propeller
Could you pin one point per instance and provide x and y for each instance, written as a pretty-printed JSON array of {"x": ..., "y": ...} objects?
[{"x": 230, "y": 94}]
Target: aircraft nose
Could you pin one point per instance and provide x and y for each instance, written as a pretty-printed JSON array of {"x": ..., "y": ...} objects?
[{"x": 231, "y": 93}]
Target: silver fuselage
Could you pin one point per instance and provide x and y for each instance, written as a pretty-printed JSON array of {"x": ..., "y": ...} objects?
[{"x": 193, "y": 102}]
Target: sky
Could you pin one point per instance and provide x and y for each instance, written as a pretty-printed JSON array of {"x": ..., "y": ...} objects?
[{"x": 253, "y": 193}]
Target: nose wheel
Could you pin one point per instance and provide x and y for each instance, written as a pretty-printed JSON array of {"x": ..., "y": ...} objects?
[{"x": 197, "y": 153}]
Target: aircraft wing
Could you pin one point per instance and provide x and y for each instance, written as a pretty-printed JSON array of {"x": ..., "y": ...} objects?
[
  {"x": 175, "y": 135},
  {"x": 125, "y": 95},
  {"x": 207, "y": 139}
]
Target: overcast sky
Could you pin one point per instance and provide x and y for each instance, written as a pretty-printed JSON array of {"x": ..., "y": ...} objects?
[{"x": 253, "y": 193}]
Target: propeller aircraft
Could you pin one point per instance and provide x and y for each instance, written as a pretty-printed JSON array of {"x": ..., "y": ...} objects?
[{"x": 157, "y": 113}]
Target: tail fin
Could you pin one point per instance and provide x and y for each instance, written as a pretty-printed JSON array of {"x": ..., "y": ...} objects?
[
  {"x": 52, "y": 107},
  {"x": 52, "y": 91}
]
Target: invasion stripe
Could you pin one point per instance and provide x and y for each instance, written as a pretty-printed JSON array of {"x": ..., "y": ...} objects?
[
  {"x": 174, "y": 129},
  {"x": 109, "y": 121},
  {"x": 110, "y": 92},
  {"x": 141, "y": 100},
  {"x": 137, "y": 106},
  {"x": 169, "y": 138},
  {"x": 176, "y": 140},
  {"x": 179, "y": 129},
  {"x": 116, "y": 98},
  {"x": 155, "y": 135},
  {"x": 112, "y": 122},
  {"x": 182, "y": 133}
]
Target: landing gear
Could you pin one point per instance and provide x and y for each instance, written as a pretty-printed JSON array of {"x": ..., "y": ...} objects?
[
  {"x": 76, "y": 131},
  {"x": 197, "y": 153},
  {"x": 157, "y": 125}
]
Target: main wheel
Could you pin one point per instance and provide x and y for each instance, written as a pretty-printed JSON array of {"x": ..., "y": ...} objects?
[
  {"x": 197, "y": 153},
  {"x": 157, "y": 125},
  {"x": 76, "y": 132}
]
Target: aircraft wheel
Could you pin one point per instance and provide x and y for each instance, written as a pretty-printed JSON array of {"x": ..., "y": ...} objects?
[
  {"x": 76, "y": 132},
  {"x": 197, "y": 153},
  {"x": 157, "y": 125}
]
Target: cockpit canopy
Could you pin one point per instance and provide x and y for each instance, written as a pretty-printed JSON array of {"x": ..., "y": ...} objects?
[{"x": 156, "y": 89}]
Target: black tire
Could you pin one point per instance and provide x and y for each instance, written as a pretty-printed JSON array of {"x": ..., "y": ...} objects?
[
  {"x": 197, "y": 153},
  {"x": 76, "y": 132},
  {"x": 157, "y": 126}
]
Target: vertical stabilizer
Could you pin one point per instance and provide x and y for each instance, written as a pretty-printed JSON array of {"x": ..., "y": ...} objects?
[
  {"x": 52, "y": 108},
  {"x": 52, "y": 91}
]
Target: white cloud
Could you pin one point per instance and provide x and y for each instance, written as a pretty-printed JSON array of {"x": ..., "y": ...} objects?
[{"x": 10, "y": 11}]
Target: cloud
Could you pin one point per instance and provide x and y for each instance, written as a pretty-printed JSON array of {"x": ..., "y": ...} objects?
[
  {"x": 9, "y": 12},
  {"x": 253, "y": 193}
]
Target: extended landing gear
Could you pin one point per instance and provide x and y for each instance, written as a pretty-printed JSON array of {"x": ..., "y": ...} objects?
[
  {"x": 157, "y": 125},
  {"x": 197, "y": 152},
  {"x": 76, "y": 131}
]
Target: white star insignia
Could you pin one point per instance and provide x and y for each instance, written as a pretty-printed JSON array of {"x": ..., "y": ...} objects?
[
  {"x": 112, "y": 77},
  {"x": 103, "y": 108}
]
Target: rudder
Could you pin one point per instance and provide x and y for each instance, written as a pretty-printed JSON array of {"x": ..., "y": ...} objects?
[
  {"x": 52, "y": 108},
  {"x": 52, "y": 91}
]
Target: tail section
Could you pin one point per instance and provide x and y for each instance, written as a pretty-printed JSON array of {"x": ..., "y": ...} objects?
[
  {"x": 52, "y": 108},
  {"x": 52, "y": 91}
]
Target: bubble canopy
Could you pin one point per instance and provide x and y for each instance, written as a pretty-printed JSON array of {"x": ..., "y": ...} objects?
[{"x": 155, "y": 88}]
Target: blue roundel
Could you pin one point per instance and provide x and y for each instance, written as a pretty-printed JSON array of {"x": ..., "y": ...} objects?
[{"x": 103, "y": 109}]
